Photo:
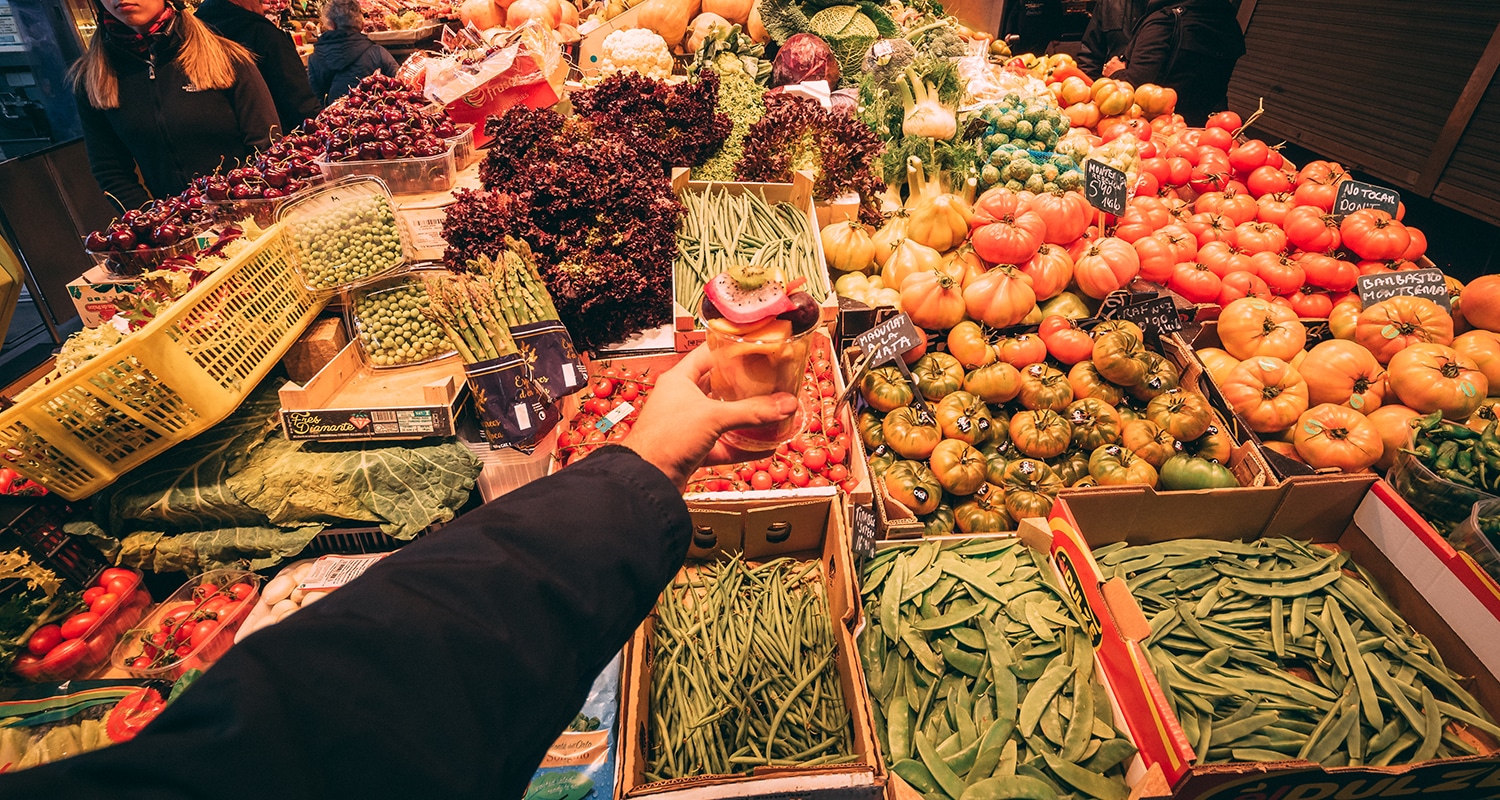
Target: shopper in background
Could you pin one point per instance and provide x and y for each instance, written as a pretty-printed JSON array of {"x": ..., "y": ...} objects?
[
  {"x": 447, "y": 669},
  {"x": 244, "y": 21},
  {"x": 1107, "y": 35},
  {"x": 157, "y": 90},
  {"x": 1187, "y": 45},
  {"x": 343, "y": 55}
]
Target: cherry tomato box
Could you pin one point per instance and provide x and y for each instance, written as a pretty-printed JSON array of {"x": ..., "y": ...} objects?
[{"x": 192, "y": 628}]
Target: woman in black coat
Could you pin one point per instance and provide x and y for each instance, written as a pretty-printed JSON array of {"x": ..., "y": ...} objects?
[
  {"x": 343, "y": 56},
  {"x": 1190, "y": 46},
  {"x": 157, "y": 90}
]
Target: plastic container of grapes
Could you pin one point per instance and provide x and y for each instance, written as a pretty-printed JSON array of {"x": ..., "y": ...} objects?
[
  {"x": 330, "y": 205},
  {"x": 403, "y": 175},
  {"x": 261, "y": 209},
  {"x": 105, "y": 634},
  {"x": 385, "y": 287},
  {"x": 203, "y": 653},
  {"x": 136, "y": 262}
]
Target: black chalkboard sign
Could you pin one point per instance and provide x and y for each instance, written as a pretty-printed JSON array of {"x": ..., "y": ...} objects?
[
  {"x": 888, "y": 340},
  {"x": 1428, "y": 283},
  {"x": 1354, "y": 195},
  {"x": 864, "y": 532},
  {"x": 1104, "y": 187},
  {"x": 1159, "y": 314}
]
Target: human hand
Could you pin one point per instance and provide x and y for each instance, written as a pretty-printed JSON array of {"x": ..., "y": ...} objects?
[
  {"x": 1112, "y": 66},
  {"x": 679, "y": 430}
]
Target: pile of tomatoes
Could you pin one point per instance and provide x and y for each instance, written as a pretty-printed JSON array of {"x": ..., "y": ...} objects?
[
  {"x": 587, "y": 430},
  {"x": 183, "y": 628},
  {"x": 1015, "y": 419},
  {"x": 114, "y": 602}
]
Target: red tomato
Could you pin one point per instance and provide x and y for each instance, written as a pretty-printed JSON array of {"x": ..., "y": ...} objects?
[
  {"x": 99, "y": 647},
  {"x": 1311, "y": 304},
  {"x": 92, "y": 594},
  {"x": 629, "y": 391},
  {"x": 799, "y": 476},
  {"x": 1227, "y": 121},
  {"x": 1179, "y": 170},
  {"x": 122, "y": 585},
  {"x": 1266, "y": 179},
  {"x": 139, "y": 662},
  {"x": 779, "y": 471},
  {"x": 1196, "y": 282},
  {"x": 203, "y": 631},
  {"x": 837, "y": 452},
  {"x": 837, "y": 473},
  {"x": 1217, "y": 138},
  {"x": 213, "y": 604},
  {"x": 45, "y": 638},
  {"x": 78, "y": 624},
  {"x": 65, "y": 657},
  {"x": 604, "y": 387},
  {"x": 114, "y": 572},
  {"x": 104, "y": 603},
  {"x": 27, "y": 666},
  {"x": 815, "y": 458},
  {"x": 761, "y": 480},
  {"x": 1247, "y": 157},
  {"x": 1239, "y": 284}
]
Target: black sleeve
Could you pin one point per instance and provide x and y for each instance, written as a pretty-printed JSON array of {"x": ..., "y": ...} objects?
[
  {"x": 110, "y": 159},
  {"x": 282, "y": 70},
  {"x": 446, "y": 670},
  {"x": 388, "y": 65},
  {"x": 1150, "y": 51},
  {"x": 253, "y": 107},
  {"x": 1095, "y": 49},
  {"x": 320, "y": 78}
]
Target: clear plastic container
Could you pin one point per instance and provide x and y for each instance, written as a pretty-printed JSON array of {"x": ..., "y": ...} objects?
[
  {"x": 1478, "y": 534},
  {"x": 464, "y": 151},
  {"x": 68, "y": 660},
  {"x": 261, "y": 209},
  {"x": 1443, "y": 503},
  {"x": 195, "y": 604},
  {"x": 399, "y": 300},
  {"x": 403, "y": 175},
  {"x": 345, "y": 234},
  {"x": 132, "y": 263}
]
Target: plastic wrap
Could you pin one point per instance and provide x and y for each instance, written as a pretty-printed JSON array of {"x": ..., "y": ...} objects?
[{"x": 581, "y": 763}]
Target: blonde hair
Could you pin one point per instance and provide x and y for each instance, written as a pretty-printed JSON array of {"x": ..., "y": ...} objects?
[{"x": 208, "y": 60}]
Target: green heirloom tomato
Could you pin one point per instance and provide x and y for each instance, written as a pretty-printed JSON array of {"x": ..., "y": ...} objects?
[
  {"x": 1095, "y": 423},
  {"x": 870, "y": 429},
  {"x": 1030, "y": 487},
  {"x": 907, "y": 434},
  {"x": 938, "y": 375},
  {"x": 983, "y": 513},
  {"x": 939, "y": 522},
  {"x": 914, "y": 485},
  {"x": 885, "y": 389},
  {"x": 1116, "y": 465},
  {"x": 964, "y": 417},
  {"x": 958, "y": 467},
  {"x": 1183, "y": 471}
]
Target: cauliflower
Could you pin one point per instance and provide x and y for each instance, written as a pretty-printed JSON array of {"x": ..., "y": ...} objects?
[{"x": 637, "y": 49}]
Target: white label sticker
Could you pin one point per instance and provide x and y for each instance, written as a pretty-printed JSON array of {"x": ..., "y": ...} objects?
[
  {"x": 331, "y": 572},
  {"x": 613, "y": 418},
  {"x": 426, "y": 228},
  {"x": 569, "y": 379},
  {"x": 523, "y": 416}
]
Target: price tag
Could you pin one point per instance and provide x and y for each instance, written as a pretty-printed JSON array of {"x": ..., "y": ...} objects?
[
  {"x": 1428, "y": 283},
  {"x": 864, "y": 532},
  {"x": 1159, "y": 314},
  {"x": 888, "y": 340},
  {"x": 1104, "y": 187},
  {"x": 1354, "y": 195}
]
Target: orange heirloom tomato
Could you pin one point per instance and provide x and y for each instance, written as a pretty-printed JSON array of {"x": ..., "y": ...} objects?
[
  {"x": 1343, "y": 373},
  {"x": 1394, "y": 424},
  {"x": 1011, "y": 239},
  {"x": 1082, "y": 115},
  {"x": 1253, "y": 327},
  {"x": 1107, "y": 265},
  {"x": 1343, "y": 318},
  {"x": 1390, "y": 326},
  {"x": 1268, "y": 392},
  {"x": 1049, "y": 271},
  {"x": 1157, "y": 257},
  {"x": 1482, "y": 302},
  {"x": 1273, "y": 207},
  {"x": 932, "y": 299},
  {"x": 1260, "y": 237},
  {"x": 1311, "y": 228},
  {"x": 1069, "y": 343},
  {"x": 1022, "y": 351},
  {"x": 967, "y": 343},
  {"x": 999, "y": 298},
  {"x": 1218, "y": 363},
  {"x": 1237, "y": 206},
  {"x": 1155, "y": 100},
  {"x": 1374, "y": 234},
  {"x": 1066, "y": 215},
  {"x": 1329, "y": 435},
  {"x": 1073, "y": 90},
  {"x": 1434, "y": 377},
  {"x": 1483, "y": 348}
]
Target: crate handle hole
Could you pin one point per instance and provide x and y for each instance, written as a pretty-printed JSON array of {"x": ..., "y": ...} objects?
[
  {"x": 778, "y": 532},
  {"x": 705, "y": 538}
]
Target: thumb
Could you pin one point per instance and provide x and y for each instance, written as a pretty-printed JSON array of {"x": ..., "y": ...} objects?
[{"x": 754, "y": 411}]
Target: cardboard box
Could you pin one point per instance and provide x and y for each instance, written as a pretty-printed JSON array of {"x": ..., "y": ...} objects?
[
  {"x": 1381, "y": 534},
  {"x": 349, "y": 400},
  {"x": 591, "y": 42},
  {"x": 94, "y": 293},
  {"x": 799, "y": 194},
  {"x": 823, "y": 538}
]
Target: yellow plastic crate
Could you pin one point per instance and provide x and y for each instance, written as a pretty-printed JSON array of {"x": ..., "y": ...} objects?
[{"x": 167, "y": 382}]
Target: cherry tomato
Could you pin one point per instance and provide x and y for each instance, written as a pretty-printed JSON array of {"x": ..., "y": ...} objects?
[
  {"x": 745, "y": 471},
  {"x": 819, "y": 480},
  {"x": 849, "y": 485},
  {"x": 178, "y": 614},
  {"x": 241, "y": 590},
  {"x": 122, "y": 585},
  {"x": 104, "y": 603},
  {"x": 205, "y": 591},
  {"x": 630, "y": 391},
  {"x": 761, "y": 480},
  {"x": 801, "y": 442},
  {"x": 837, "y": 453},
  {"x": 604, "y": 387},
  {"x": 815, "y": 458},
  {"x": 139, "y": 662},
  {"x": 218, "y": 601},
  {"x": 779, "y": 471},
  {"x": 161, "y": 640},
  {"x": 203, "y": 630},
  {"x": 230, "y": 610},
  {"x": 65, "y": 656},
  {"x": 183, "y": 651},
  {"x": 78, "y": 624},
  {"x": 837, "y": 473},
  {"x": 799, "y": 476},
  {"x": 27, "y": 666},
  {"x": 112, "y": 573},
  {"x": 92, "y": 594},
  {"x": 761, "y": 464},
  {"x": 45, "y": 638},
  {"x": 814, "y": 425}
]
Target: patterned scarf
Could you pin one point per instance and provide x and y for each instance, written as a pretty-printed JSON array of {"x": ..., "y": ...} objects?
[{"x": 126, "y": 38}]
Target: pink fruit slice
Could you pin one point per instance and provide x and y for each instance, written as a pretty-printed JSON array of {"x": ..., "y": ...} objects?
[{"x": 741, "y": 306}]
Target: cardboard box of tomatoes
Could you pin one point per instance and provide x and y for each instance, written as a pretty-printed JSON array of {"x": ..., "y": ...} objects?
[{"x": 1380, "y": 551}]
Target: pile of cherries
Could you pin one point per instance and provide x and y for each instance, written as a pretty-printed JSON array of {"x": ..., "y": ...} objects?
[
  {"x": 286, "y": 168},
  {"x": 383, "y": 119},
  {"x": 135, "y": 241}
]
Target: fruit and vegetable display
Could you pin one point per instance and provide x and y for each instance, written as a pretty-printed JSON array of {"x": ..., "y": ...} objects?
[
  {"x": 395, "y": 327},
  {"x": 722, "y": 229},
  {"x": 1016, "y": 419},
  {"x": 476, "y": 309},
  {"x": 981, "y": 676},
  {"x": 1280, "y": 649},
  {"x": 79, "y": 642},
  {"x": 192, "y": 628},
  {"x": 709, "y": 643}
]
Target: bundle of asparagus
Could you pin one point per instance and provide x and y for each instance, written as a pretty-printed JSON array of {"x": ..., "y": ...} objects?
[
  {"x": 514, "y": 271},
  {"x": 478, "y": 308}
]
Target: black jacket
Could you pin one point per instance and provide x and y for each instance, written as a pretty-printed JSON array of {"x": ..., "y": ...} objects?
[
  {"x": 275, "y": 55},
  {"x": 340, "y": 59},
  {"x": 1108, "y": 34},
  {"x": 169, "y": 130},
  {"x": 1190, "y": 46},
  {"x": 445, "y": 670}
]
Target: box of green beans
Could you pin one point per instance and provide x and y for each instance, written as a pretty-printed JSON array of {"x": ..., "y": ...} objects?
[
  {"x": 1330, "y": 648},
  {"x": 745, "y": 682}
]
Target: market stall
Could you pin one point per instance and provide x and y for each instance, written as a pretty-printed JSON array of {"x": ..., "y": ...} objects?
[{"x": 1131, "y": 460}]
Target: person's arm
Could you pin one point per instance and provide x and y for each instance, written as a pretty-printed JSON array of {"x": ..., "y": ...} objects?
[
  {"x": 448, "y": 668},
  {"x": 388, "y": 65},
  {"x": 110, "y": 159},
  {"x": 281, "y": 68},
  {"x": 1150, "y": 51},
  {"x": 320, "y": 78},
  {"x": 253, "y": 107},
  {"x": 1095, "y": 48}
]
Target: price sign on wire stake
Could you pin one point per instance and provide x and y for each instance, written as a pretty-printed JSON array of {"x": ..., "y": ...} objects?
[
  {"x": 1159, "y": 314},
  {"x": 1104, "y": 187},
  {"x": 1355, "y": 195},
  {"x": 864, "y": 532},
  {"x": 1428, "y": 283},
  {"x": 883, "y": 344}
]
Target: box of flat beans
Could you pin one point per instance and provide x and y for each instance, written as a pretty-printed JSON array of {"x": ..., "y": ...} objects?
[
  {"x": 1334, "y": 647},
  {"x": 745, "y": 681}
]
